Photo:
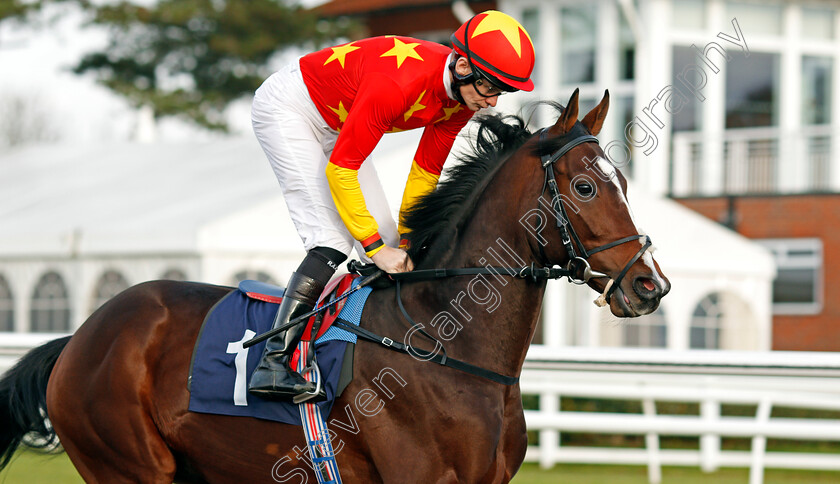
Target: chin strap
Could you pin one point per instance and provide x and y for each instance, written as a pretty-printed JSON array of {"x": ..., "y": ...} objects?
[{"x": 458, "y": 81}]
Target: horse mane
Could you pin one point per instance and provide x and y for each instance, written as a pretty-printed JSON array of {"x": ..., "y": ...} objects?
[{"x": 435, "y": 219}]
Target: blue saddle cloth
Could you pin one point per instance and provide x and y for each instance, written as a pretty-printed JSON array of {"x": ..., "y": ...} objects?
[{"x": 221, "y": 367}]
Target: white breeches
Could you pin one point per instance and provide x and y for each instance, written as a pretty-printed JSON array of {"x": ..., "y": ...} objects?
[{"x": 298, "y": 144}]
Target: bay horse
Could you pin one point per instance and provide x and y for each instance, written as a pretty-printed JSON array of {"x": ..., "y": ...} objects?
[{"x": 116, "y": 391}]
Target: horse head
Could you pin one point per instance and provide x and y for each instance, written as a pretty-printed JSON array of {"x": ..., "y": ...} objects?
[{"x": 597, "y": 238}]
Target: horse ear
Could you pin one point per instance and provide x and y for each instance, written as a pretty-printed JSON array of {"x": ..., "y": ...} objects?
[
  {"x": 595, "y": 119},
  {"x": 568, "y": 119}
]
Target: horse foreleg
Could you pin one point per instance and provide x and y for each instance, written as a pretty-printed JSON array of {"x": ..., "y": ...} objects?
[{"x": 514, "y": 442}]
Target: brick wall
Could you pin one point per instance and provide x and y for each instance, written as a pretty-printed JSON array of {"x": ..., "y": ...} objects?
[{"x": 794, "y": 216}]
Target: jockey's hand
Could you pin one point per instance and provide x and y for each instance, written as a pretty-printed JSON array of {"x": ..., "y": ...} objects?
[{"x": 390, "y": 259}]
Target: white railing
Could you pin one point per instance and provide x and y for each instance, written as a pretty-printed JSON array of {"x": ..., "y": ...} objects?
[
  {"x": 809, "y": 380},
  {"x": 15, "y": 345},
  {"x": 756, "y": 161},
  {"x": 708, "y": 378}
]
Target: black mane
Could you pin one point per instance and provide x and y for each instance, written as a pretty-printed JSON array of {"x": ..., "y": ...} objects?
[{"x": 436, "y": 217}]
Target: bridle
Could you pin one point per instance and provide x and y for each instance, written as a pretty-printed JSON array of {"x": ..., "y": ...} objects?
[
  {"x": 577, "y": 270},
  {"x": 578, "y": 266}
]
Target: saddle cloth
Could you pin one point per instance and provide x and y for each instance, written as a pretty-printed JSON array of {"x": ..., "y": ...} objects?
[{"x": 221, "y": 367}]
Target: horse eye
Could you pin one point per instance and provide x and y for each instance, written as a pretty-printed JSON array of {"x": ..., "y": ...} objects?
[{"x": 585, "y": 189}]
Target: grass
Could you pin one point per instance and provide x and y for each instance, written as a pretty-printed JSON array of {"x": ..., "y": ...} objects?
[
  {"x": 29, "y": 467},
  {"x": 598, "y": 474}
]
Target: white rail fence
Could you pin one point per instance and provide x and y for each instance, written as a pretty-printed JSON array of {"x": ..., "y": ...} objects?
[
  {"x": 15, "y": 345},
  {"x": 807, "y": 380},
  {"x": 707, "y": 378}
]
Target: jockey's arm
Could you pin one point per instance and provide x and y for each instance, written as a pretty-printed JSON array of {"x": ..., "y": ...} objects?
[
  {"x": 420, "y": 182},
  {"x": 427, "y": 165},
  {"x": 377, "y": 103}
]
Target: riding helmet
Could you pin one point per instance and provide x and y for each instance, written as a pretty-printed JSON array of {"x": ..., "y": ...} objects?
[{"x": 498, "y": 47}]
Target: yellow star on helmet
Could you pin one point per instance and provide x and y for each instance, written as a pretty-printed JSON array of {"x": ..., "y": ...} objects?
[
  {"x": 340, "y": 111},
  {"x": 402, "y": 51},
  {"x": 415, "y": 107},
  {"x": 505, "y": 24},
  {"x": 340, "y": 52}
]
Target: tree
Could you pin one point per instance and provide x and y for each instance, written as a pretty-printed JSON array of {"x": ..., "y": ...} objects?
[
  {"x": 24, "y": 119},
  {"x": 21, "y": 10},
  {"x": 15, "y": 9},
  {"x": 191, "y": 58}
]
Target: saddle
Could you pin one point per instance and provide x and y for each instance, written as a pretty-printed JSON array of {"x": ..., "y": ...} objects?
[
  {"x": 320, "y": 321},
  {"x": 221, "y": 364}
]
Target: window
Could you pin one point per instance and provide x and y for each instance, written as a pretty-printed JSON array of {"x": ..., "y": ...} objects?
[
  {"x": 688, "y": 14},
  {"x": 174, "y": 275},
  {"x": 649, "y": 331},
  {"x": 626, "y": 50},
  {"x": 688, "y": 116},
  {"x": 797, "y": 288},
  {"x": 50, "y": 311},
  {"x": 755, "y": 18},
  {"x": 7, "y": 306},
  {"x": 817, "y": 23},
  {"x": 109, "y": 285},
  {"x": 621, "y": 112},
  {"x": 816, "y": 90},
  {"x": 706, "y": 324},
  {"x": 531, "y": 22},
  {"x": 752, "y": 91},
  {"x": 577, "y": 45}
]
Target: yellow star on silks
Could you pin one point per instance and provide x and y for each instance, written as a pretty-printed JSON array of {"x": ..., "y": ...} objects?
[
  {"x": 415, "y": 107},
  {"x": 395, "y": 130},
  {"x": 449, "y": 112},
  {"x": 340, "y": 52},
  {"x": 506, "y": 25},
  {"x": 402, "y": 51},
  {"x": 340, "y": 111}
]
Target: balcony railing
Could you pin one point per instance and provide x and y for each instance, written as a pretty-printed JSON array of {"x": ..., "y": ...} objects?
[{"x": 756, "y": 161}]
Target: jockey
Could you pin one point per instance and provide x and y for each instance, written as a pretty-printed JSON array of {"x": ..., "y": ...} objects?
[{"x": 319, "y": 118}]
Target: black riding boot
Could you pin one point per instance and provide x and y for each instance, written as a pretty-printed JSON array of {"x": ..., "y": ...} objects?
[{"x": 274, "y": 379}]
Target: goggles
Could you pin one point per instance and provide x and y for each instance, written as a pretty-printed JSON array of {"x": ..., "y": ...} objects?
[{"x": 485, "y": 87}]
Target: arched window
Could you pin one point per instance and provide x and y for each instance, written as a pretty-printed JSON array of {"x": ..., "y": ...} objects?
[
  {"x": 649, "y": 331},
  {"x": 50, "y": 311},
  {"x": 7, "y": 306},
  {"x": 174, "y": 274},
  {"x": 252, "y": 274},
  {"x": 707, "y": 323},
  {"x": 110, "y": 284}
]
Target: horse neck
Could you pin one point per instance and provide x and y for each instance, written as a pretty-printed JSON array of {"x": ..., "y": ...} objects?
[{"x": 497, "y": 313}]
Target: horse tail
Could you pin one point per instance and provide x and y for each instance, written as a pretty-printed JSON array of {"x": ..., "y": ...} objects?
[{"x": 23, "y": 400}]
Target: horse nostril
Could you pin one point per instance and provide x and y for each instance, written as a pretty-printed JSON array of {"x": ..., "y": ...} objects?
[{"x": 646, "y": 288}]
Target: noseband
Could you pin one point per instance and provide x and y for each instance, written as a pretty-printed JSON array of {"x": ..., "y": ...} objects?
[{"x": 578, "y": 266}]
